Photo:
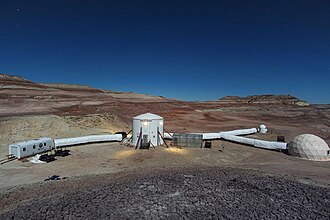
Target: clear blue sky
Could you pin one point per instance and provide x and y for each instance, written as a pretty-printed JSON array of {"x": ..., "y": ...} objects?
[{"x": 192, "y": 50}]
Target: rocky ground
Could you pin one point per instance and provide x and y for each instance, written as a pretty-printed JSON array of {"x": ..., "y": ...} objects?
[{"x": 199, "y": 193}]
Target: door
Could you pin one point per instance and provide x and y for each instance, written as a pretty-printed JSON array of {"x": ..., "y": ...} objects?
[
  {"x": 14, "y": 151},
  {"x": 146, "y": 132}
]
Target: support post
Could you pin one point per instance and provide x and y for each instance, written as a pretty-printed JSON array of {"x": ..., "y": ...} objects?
[
  {"x": 163, "y": 139},
  {"x": 157, "y": 136},
  {"x": 139, "y": 139}
]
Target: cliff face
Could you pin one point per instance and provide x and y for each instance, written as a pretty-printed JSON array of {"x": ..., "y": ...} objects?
[{"x": 264, "y": 99}]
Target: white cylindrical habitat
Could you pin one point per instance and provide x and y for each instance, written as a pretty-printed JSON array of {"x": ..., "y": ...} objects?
[{"x": 147, "y": 128}]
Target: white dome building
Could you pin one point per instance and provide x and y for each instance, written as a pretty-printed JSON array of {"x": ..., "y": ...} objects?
[
  {"x": 310, "y": 147},
  {"x": 147, "y": 128}
]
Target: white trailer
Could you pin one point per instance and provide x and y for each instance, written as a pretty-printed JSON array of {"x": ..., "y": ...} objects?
[{"x": 31, "y": 147}]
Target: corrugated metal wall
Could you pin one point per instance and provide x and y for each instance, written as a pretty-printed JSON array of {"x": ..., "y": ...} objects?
[{"x": 187, "y": 140}]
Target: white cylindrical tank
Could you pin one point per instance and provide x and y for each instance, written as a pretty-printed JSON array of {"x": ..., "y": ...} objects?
[
  {"x": 147, "y": 128},
  {"x": 263, "y": 129},
  {"x": 310, "y": 147}
]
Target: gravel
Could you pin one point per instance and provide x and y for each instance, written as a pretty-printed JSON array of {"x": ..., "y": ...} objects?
[{"x": 200, "y": 193}]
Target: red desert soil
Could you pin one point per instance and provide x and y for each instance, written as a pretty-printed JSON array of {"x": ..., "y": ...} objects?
[{"x": 31, "y": 110}]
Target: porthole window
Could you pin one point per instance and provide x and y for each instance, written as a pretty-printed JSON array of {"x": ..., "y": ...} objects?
[
  {"x": 44, "y": 144},
  {"x": 40, "y": 145},
  {"x": 34, "y": 146},
  {"x": 24, "y": 149}
]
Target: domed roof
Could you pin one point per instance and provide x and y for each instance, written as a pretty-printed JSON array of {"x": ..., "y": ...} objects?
[
  {"x": 148, "y": 116},
  {"x": 310, "y": 147},
  {"x": 262, "y": 126}
]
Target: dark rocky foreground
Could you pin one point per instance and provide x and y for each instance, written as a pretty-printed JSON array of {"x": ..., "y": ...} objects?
[{"x": 204, "y": 193}]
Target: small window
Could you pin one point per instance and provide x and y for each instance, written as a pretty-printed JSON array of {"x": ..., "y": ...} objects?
[
  {"x": 34, "y": 146},
  {"x": 40, "y": 145},
  {"x": 24, "y": 148},
  {"x": 44, "y": 144}
]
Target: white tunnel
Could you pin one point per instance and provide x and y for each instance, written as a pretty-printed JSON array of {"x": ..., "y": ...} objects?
[
  {"x": 227, "y": 135},
  {"x": 87, "y": 139},
  {"x": 218, "y": 135},
  {"x": 255, "y": 142},
  {"x": 234, "y": 136}
]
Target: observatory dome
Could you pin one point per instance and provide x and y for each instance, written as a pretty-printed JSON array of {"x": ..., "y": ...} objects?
[
  {"x": 310, "y": 147},
  {"x": 263, "y": 129}
]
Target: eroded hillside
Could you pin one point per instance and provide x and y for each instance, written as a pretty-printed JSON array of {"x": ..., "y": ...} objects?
[{"x": 31, "y": 110}]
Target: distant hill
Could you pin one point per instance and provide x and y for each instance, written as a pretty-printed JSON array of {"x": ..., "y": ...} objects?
[
  {"x": 70, "y": 87},
  {"x": 16, "y": 86},
  {"x": 11, "y": 77},
  {"x": 265, "y": 99},
  {"x": 19, "y": 96}
]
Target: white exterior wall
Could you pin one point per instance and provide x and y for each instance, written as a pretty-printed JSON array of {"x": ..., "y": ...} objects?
[
  {"x": 148, "y": 127},
  {"x": 32, "y": 147}
]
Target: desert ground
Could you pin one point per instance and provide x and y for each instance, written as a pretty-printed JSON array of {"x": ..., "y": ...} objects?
[{"x": 111, "y": 180}]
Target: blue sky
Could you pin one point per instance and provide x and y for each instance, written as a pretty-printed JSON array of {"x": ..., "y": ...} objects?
[{"x": 190, "y": 50}]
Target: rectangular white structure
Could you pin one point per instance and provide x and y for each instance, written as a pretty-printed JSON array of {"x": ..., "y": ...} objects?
[{"x": 32, "y": 147}]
